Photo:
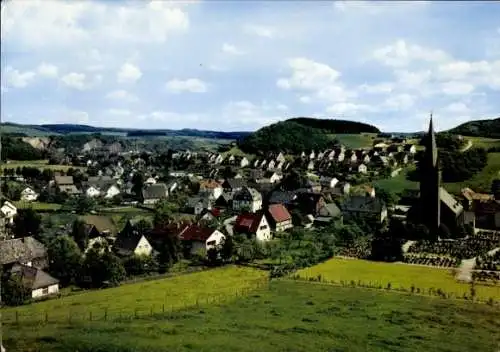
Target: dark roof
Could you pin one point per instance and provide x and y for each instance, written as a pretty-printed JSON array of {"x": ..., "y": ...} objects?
[
  {"x": 155, "y": 191},
  {"x": 33, "y": 278},
  {"x": 363, "y": 204},
  {"x": 196, "y": 233},
  {"x": 279, "y": 213},
  {"x": 126, "y": 244},
  {"x": 248, "y": 222},
  {"x": 101, "y": 223},
  {"x": 63, "y": 180},
  {"x": 284, "y": 197},
  {"x": 234, "y": 183},
  {"x": 247, "y": 193},
  {"x": 329, "y": 210},
  {"x": 450, "y": 202},
  {"x": 21, "y": 250}
]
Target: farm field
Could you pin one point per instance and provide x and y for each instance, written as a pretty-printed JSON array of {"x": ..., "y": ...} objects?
[
  {"x": 363, "y": 140},
  {"x": 38, "y": 206},
  {"x": 174, "y": 293},
  {"x": 484, "y": 142},
  {"x": 40, "y": 164},
  {"x": 396, "y": 184},
  {"x": 399, "y": 275},
  {"x": 290, "y": 316}
]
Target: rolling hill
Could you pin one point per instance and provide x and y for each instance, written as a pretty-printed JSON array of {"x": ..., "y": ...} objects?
[
  {"x": 335, "y": 126},
  {"x": 479, "y": 128}
]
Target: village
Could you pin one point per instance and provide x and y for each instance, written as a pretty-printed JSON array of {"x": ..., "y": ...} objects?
[{"x": 213, "y": 196}]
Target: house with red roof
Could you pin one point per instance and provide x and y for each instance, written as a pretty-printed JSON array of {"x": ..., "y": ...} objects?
[
  {"x": 279, "y": 217},
  {"x": 195, "y": 238},
  {"x": 253, "y": 225}
]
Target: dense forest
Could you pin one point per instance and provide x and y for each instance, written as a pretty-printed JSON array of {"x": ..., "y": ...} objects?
[
  {"x": 286, "y": 136},
  {"x": 15, "y": 148},
  {"x": 480, "y": 128},
  {"x": 336, "y": 126}
]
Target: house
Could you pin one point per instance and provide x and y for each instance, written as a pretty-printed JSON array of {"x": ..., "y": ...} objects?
[
  {"x": 233, "y": 185},
  {"x": 271, "y": 165},
  {"x": 150, "y": 181},
  {"x": 309, "y": 202},
  {"x": 198, "y": 204},
  {"x": 244, "y": 162},
  {"x": 310, "y": 165},
  {"x": 362, "y": 169},
  {"x": 328, "y": 213},
  {"x": 210, "y": 188},
  {"x": 341, "y": 189},
  {"x": 154, "y": 193},
  {"x": 280, "y": 157},
  {"x": 263, "y": 163},
  {"x": 28, "y": 195},
  {"x": 115, "y": 148},
  {"x": 26, "y": 250},
  {"x": 210, "y": 214},
  {"x": 331, "y": 155},
  {"x": 224, "y": 201},
  {"x": 410, "y": 148},
  {"x": 279, "y": 217},
  {"x": 9, "y": 211},
  {"x": 254, "y": 225},
  {"x": 37, "y": 281},
  {"x": 111, "y": 192},
  {"x": 195, "y": 238},
  {"x": 273, "y": 177},
  {"x": 247, "y": 199},
  {"x": 132, "y": 243},
  {"x": 65, "y": 185},
  {"x": 219, "y": 159},
  {"x": 470, "y": 197},
  {"x": 328, "y": 182},
  {"x": 341, "y": 157},
  {"x": 282, "y": 197},
  {"x": 100, "y": 229},
  {"x": 92, "y": 192},
  {"x": 312, "y": 156},
  {"x": 92, "y": 145},
  {"x": 364, "y": 207}
]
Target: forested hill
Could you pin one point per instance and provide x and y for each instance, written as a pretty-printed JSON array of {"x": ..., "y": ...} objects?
[
  {"x": 336, "y": 126},
  {"x": 479, "y": 128}
]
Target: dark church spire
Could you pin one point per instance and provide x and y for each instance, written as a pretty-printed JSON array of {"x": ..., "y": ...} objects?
[{"x": 431, "y": 146}]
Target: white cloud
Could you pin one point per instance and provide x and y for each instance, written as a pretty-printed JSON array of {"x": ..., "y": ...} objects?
[
  {"x": 119, "y": 112},
  {"x": 80, "y": 117},
  {"x": 74, "y": 80},
  {"x": 348, "y": 108},
  {"x": 261, "y": 31},
  {"x": 401, "y": 54},
  {"x": 128, "y": 73},
  {"x": 457, "y": 108},
  {"x": 378, "y": 88},
  {"x": 49, "y": 23},
  {"x": 193, "y": 85},
  {"x": 457, "y": 88},
  {"x": 305, "y": 99},
  {"x": 121, "y": 94},
  {"x": 413, "y": 79},
  {"x": 47, "y": 70},
  {"x": 231, "y": 49},
  {"x": 282, "y": 107},
  {"x": 399, "y": 102},
  {"x": 17, "y": 79}
]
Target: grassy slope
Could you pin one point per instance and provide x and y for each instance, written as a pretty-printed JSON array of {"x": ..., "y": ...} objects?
[
  {"x": 399, "y": 275},
  {"x": 481, "y": 182},
  {"x": 291, "y": 316},
  {"x": 41, "y": 164},
  {"x": 484, "y": 142},
  {"x": 174, "y": 292},
  {"x": 29, "y": 131},
  {"x": 38, "y": 206}
]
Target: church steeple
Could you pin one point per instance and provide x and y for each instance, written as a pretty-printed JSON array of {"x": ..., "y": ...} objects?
[{"x": 431, "y": 146}]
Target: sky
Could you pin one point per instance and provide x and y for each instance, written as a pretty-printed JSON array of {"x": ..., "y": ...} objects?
[{"x": 241, "y": 65}]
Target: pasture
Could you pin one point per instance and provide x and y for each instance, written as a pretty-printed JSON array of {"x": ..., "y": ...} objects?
[
  {"x": 173, "y": 293},
  {"x": 290, "y": 316},
  {"x": 398, "y": 275},
  {"x": 40, "y": 164},
  {"x": 37, "y": 206},
  {"x": 483, "y": 142},
  {"x": 362, "y": 140}
]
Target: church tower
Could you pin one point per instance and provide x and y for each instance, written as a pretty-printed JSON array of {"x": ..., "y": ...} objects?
[{"x": 430, "y": 183}]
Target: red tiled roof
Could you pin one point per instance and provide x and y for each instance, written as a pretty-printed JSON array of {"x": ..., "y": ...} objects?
[
  {"x": 195, "y": 233},
  {"x": 248, "y": 222},
  {"x": 209, "y": 184},
  {"x": 279, "y": 213}
]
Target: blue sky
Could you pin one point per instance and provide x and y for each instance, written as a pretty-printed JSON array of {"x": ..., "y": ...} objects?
[{"x": 240, "y": 65}]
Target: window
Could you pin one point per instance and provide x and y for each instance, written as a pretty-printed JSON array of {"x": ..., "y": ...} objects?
[
  {"x": 45, "y": 291},
  {"x": 211, "y": 243},
  {"x": 263, "y": 227}
]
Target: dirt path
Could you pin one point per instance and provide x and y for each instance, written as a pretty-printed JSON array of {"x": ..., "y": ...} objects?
[{"x": 468, "y": 146}]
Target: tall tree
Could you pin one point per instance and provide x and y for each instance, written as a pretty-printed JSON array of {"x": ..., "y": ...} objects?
[
  {"x": 27, "y": 223},
  {"x": 80, "y": 234},
  {"x": 138, "y": 184},
  {"x": 65, "y": 259}
]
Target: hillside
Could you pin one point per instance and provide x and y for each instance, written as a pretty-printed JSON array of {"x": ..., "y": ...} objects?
[
  {"x": 479, "y": 128},
  {"x": 335, "y": 126},
  {"x": 287, "y": 136}
]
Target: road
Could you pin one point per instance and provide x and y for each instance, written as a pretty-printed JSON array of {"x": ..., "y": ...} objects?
[{"x": 468, "y": 146}]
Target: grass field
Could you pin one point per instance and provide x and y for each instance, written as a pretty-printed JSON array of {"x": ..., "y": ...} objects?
[
  {"x": 177, "y": 292},
  {"x": 484, "y": 142},
  {"x": 363, "y": 140},
  {"x": 290, "y": 316},
  {"x": 399, "y": 275},
  {"x": 38, "y": 206},
  {"x": 396, "y": 184},
  {"x": 41, "y": 164}
]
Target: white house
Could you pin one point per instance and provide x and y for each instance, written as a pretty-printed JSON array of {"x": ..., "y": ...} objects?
[
  {"x": 214, "y": 240},
  {"x": 341, "y": 157},
  {"x": 312, "y": 155},
  {"x": 253, "y": 224},
  {"x": 219, "y": 159},
  {"x": 36, "y": 280},
  {"x": 310, "y": 166},
  {"x": 112, "y": 191},
  {"x": 244, "y": 162},
  {"x": 29, "y": 195},
  {"x": 198, "y": 238},
  {"x": 92, "y": 192},
  {"x": 271, "y": 165},
  {"x": 247, "y": 198},
  {"x": 328, "y": 182},
  {"x": 134, "y": 244},
  {"x": 274, "y": 177},
  {"x": 150, "y": 181},
  {"x": 280, "y": 157},
  {"x": 362, "y": 169},
  {"x": 9, "y": 211},
  {"x": 331, "y": 155}
]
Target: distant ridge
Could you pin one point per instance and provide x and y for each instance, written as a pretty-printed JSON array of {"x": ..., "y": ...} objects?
[{"x": 479, "y": 128}]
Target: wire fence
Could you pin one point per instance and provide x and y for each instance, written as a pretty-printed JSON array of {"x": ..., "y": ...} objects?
[{"x": 17, "y": 316}]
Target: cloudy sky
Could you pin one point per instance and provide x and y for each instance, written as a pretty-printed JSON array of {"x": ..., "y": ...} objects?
[{"x": 239, "y": 65}]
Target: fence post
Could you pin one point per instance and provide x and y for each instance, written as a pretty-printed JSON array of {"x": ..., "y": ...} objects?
[
  {"x": 69, "y": 317},
  {"x": 135, "y": 313},
  {"x": 151, "y": 311},
  {"x": 90, "y": 316},
  {"x": 105, "y": 314},
  {"x": 17, "y": 317},
  {"x": 163, "y": 308},
  {"x": 46, "y": 317}
]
